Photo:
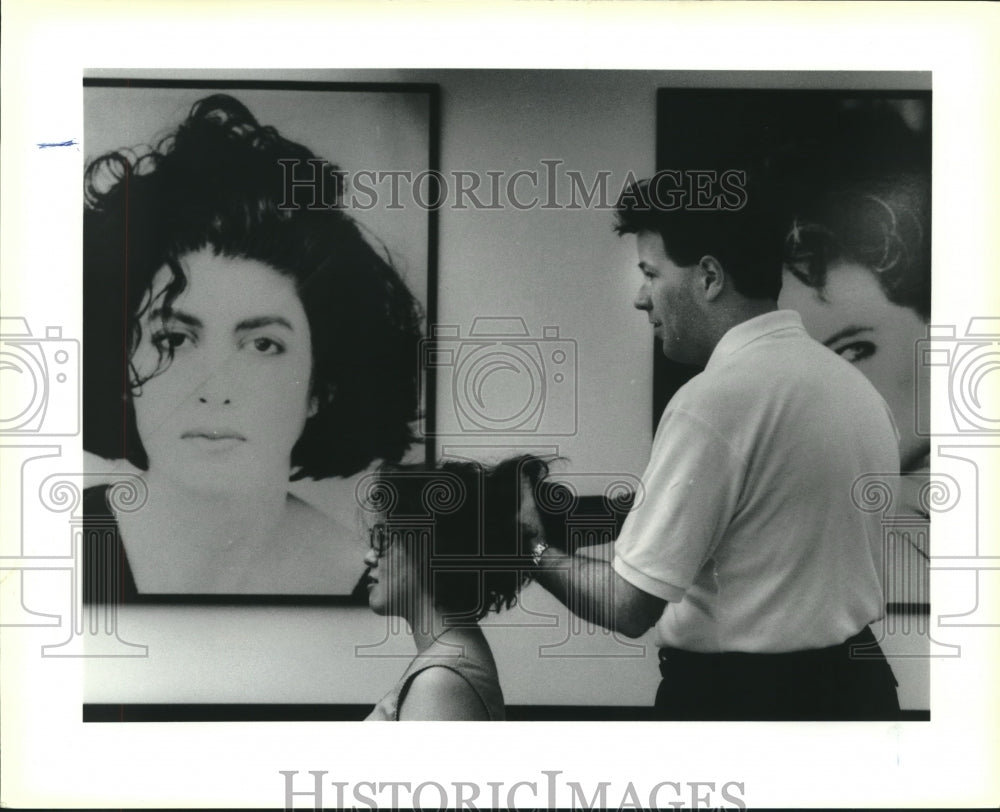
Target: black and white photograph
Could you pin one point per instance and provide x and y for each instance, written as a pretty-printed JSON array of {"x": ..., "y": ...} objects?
[
  {"x": 331, "y": 381},
  {"x": 629, "y": 407},
  {"x": 505, "y": 520}
]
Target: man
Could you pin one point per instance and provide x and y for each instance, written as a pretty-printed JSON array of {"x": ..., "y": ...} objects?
[{"x": 747, "y": 550}]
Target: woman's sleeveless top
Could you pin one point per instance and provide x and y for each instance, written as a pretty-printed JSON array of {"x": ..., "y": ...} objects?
[{"x": 473, "y": 663}]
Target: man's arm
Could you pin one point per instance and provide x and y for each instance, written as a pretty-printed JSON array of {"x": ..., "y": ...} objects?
[{"x": 592, "y": 589}]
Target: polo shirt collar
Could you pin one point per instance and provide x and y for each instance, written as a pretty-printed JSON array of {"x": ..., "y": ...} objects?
[{"x": 750, "y": 330}]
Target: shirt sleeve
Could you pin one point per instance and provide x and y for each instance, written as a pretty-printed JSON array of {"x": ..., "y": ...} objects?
[{"x": 690, "y": 492}]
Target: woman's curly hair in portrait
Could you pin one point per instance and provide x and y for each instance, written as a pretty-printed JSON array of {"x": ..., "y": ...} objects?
[
  {"x": 220, "y": 181},
  {"x": 861, "y": 194}
]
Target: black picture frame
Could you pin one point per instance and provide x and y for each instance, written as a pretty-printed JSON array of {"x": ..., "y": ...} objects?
[{"x": 357, "y": 125}]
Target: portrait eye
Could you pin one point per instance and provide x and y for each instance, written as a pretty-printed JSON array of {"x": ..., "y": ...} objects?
[
  {"x": 856, "y": 351},
  {"x": 170, "y": 340},
  {"x": 267, "y": 346}
]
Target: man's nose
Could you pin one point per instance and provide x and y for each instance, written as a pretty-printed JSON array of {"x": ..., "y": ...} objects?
[
  {"x": 641, "y": 300},
  {"x": 371, "y": 559}
]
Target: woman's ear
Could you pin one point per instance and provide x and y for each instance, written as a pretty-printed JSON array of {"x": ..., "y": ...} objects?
[{"x": 316, "y": 400}]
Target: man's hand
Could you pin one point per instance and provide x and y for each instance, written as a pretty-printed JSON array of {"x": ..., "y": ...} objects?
[{"x": 592, "y": 589}]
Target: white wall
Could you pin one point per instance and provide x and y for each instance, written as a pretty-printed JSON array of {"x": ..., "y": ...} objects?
[{"x": 558, "y": 268}]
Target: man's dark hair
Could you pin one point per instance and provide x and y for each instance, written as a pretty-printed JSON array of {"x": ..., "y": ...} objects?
[
  {"x": 747, "y": 241},
  {"x": 216, "y": 182}
]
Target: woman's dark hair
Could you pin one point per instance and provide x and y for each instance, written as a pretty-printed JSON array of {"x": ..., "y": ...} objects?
[
  {"x": 882, "y": 226},
  {"x": 859, "y": 191},
  {"x": 221, "y": 182},
  {"x": 473, "y": 553}
]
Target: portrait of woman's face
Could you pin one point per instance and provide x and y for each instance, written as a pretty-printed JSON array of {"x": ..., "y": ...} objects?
[
  {"x": 225, "y": 412},
  {"x": 852, "y": 316}
]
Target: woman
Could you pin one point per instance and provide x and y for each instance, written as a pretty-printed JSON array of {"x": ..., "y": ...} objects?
[
  {"x": 858, "y": 272},
  {"x": 857, "y": 258},
  {"x": 446, "y": 549},
  {"x": 234, "y": 340},
  {"x": 857, "y": 269}
]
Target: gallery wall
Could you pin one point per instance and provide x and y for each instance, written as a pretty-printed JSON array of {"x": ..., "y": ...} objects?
[{"x": 572, "y": 280}]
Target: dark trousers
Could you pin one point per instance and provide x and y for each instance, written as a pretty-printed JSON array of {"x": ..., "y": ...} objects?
[{"x": 850, "y": 681}]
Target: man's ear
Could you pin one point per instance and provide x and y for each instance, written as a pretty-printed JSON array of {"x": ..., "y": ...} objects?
[{"x": 712, "y": 277}]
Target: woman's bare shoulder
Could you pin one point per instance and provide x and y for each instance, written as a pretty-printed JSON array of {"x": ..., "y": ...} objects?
[{"x": 440, "y": 694}]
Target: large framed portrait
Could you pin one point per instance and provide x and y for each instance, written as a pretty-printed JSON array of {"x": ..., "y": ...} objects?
[{"x": 231, "y": 227}]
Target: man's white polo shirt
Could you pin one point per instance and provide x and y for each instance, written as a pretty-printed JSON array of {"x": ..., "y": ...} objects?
[{"x": 748, "y": 525}]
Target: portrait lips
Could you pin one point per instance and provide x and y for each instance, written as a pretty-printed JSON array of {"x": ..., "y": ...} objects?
[{"x": 214, "y": 440}]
